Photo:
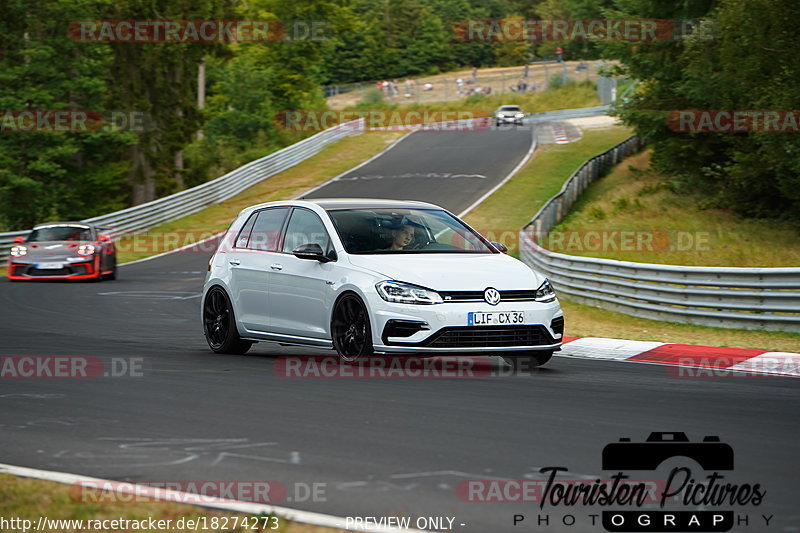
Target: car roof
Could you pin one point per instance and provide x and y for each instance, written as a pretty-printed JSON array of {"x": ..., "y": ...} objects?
[
  {"x": 369, "y": 203},
  {"x": 509, "y": 105},
  {"x": 58, "y": 224}
]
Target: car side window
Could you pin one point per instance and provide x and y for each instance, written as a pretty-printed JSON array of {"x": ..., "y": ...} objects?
[
  {"x": 244, "y": 234},
  {"x": 266, "y": 229},
  {"x": 305, "y": 227}
]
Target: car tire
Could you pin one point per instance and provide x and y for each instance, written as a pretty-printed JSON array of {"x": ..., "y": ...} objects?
[
  {"x": 527, "y": 361},
  {"x": 351, "y": 332},
  {"x": 219, "y": 324}
]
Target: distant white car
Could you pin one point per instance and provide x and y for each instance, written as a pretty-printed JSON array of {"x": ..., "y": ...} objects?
[
  {"x": 508, "y": 113},
  {"x": 374, "y": 277}
]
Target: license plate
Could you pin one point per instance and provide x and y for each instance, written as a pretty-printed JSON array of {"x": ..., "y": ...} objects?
[
  {"x": 495, "y": 318},
  {"x": 49, "y": 266}
]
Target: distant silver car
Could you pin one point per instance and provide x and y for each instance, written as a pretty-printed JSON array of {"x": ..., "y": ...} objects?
[
  {"x": 508, "y": 113},
  {"x": 63, "y": 250}
]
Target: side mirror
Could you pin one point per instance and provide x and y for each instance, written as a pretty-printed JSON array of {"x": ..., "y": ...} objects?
[
  {"x": 104, "y": 238},
  {"x": 19, "y": 239},
  {"x": 500, "y": 247},
  {"x": 312, "y": 251}
]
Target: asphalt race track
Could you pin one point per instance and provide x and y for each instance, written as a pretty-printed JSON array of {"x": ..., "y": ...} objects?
[
  {"x": 381, "y": 446},
  {"x": 447, "y": 168}
]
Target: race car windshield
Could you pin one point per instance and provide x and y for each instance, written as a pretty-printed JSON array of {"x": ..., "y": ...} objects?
[
  {"x": 405, "y": 231},
  {"x": 60, "y": 233},
  {"x": 510, "y": 108}
]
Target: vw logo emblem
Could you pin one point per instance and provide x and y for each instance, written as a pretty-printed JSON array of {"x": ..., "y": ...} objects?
[{"x": 492, "y": 296}]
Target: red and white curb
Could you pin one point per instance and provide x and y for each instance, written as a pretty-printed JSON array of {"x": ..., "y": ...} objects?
[
  {"x": 559, "y": 134},
  {"x": 717, "y": 361}
]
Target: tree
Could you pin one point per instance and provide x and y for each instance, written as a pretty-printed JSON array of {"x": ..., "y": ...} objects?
[
  {"x": 55, "y": 175},
  {"x": 742, "y": 57}
]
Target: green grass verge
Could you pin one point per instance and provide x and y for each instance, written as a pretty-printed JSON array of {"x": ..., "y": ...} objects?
[
  {"x": 501, "y": 215},
  {"x": 666, "y": 227},
  {"x": 29, "y": 499},
  {"x": 513, "y": 205},
  {"x": 330, "y": 162},
  {"x": 570, "y": 96}
]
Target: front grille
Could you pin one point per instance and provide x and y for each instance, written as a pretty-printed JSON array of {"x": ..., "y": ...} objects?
[
  {"x": 49, "y": 272},
  {"x": 68, "y": 270},
  {"x": 477, "y": 296},
  {"x": 489, "y": 336}
]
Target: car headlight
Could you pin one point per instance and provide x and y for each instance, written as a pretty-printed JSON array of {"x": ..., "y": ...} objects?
[
  {"x": 545, "y": 293},
  {"x": 404, "y": 293},
  {"x": 86, "y": 249},
  {"x": 499, "y": 115},
  {"x": 18, "y": 251},
  {"x": 519, "y": 115}
]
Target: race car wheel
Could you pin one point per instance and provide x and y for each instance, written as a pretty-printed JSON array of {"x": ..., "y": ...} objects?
[
  {"x": 219, "y": 324},
  {"x": 527, "y": 361},
  {"x": 350, "y": 329}
]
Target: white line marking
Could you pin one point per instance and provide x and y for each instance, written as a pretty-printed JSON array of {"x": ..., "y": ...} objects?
[
  {"x": 348, "y": 171},
  {"x": 395, "y": 143},
  {"x": 508, "y": 177},
  {"x": 295, "y": 515}
]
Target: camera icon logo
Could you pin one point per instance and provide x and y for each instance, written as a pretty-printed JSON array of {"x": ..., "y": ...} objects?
[{"x": 710, "y": 454}]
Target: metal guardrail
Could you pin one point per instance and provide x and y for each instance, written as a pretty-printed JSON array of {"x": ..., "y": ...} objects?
[
  {"x": 144, "y": 216},
  {"x": 749, "y": 298},
  {"x": 564, "y": 114}
]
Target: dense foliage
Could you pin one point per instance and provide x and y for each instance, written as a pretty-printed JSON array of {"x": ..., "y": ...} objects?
[
  {"x": 742, "y": 55},
  {"x": 748, "y": 61}
]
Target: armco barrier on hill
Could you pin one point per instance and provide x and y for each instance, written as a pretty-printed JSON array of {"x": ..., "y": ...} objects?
[
  {"x": 142, "y": 217},
  {"x": 750, "y": 298}
]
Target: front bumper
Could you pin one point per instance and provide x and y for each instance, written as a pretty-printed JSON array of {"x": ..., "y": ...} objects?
[
  {"x": 509, "y": 120},
  {"x": 70, "y": 270},
  {"x": 443, "y": 328}
]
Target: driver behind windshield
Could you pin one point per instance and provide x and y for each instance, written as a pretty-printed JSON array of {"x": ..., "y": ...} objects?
[{"x": 402, "y": 237}]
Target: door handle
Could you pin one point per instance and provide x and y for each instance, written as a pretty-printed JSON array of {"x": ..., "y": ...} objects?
[
  {"x": 235, "y": 262},
  {"x": 276, "y": 266}
]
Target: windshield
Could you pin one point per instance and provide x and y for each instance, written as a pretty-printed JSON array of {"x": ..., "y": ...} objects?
[
  {"x": 400, "y": 231},
  {"x": 61, "y": 233},
  {"x": 510, "y": 108}
]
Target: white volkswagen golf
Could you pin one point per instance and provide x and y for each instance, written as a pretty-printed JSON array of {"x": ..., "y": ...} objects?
[{"x": 371, "y": 277}]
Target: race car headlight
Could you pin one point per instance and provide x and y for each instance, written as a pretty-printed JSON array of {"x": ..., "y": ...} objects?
[
  {"x": 519, "y": 115},
  {"x": 18, "y": 251},
  {"x": 545, "y": 293},
  {"x": 499, "y": 115},
  {"x": 86, "y": 249},
  {"x": 403, "y": 293}
]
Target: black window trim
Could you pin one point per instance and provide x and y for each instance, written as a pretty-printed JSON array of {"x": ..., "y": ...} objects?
[
  {"x": 286, "y": 228},
  {"x": 279, "y": 243}
]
